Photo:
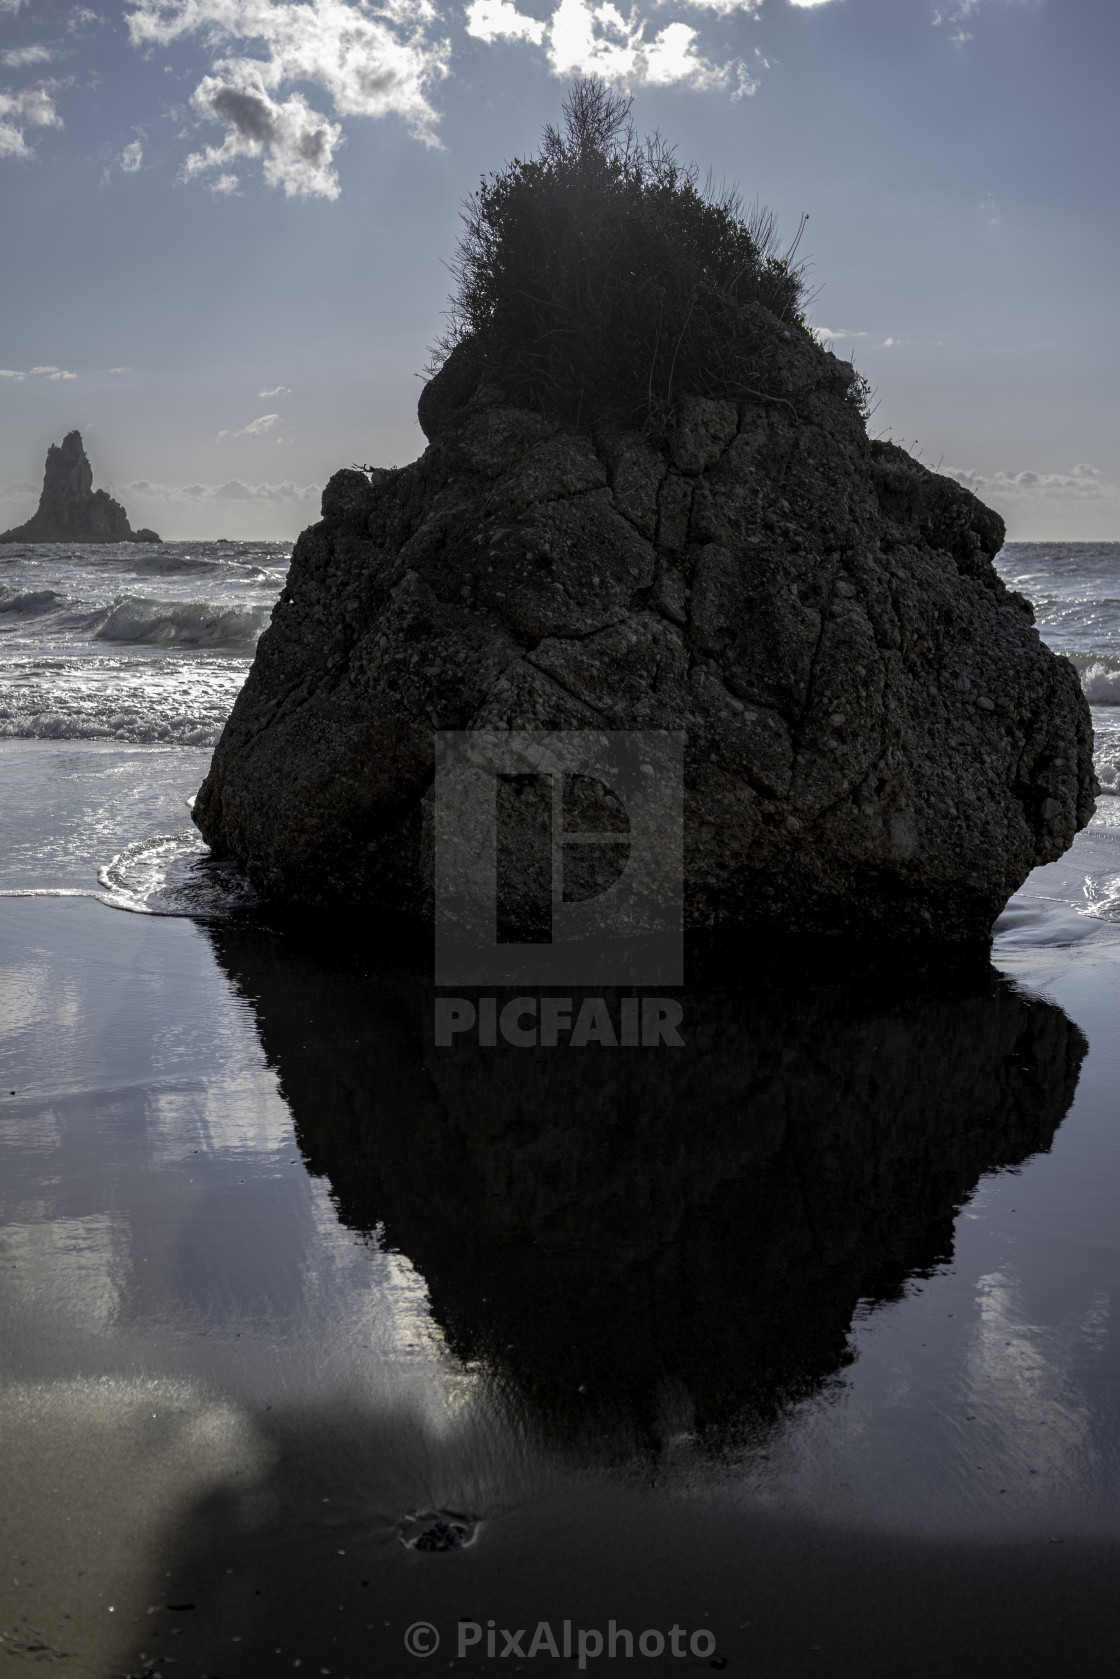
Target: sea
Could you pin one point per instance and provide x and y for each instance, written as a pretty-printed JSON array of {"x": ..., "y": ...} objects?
[
  {"x": 140, "y": 649},
  {"x": 323, "y": 1350},
  {"x": 127, "y": 658}
]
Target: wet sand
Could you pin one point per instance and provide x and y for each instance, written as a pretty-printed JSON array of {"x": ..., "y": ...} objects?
[{"x": 692, "y": 1339}]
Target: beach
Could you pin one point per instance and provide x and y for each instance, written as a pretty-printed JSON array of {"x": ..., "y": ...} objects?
[{"x": 790, "y": 1348}]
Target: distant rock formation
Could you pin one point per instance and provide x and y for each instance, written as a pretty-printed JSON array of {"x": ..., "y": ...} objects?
[{"x": 70, "y": 509}]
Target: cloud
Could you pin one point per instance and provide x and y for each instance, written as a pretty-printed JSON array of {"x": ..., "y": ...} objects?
[
  {"x": 31, "y": 107},
  {"x": 37, "y": 372},
  {"x": 128, "y": 161},
  {"x": 498, "y": 20},
  {"x": 120, "y": 370},
  {"x": 585, "y": 39},
  {"x": 820, "y": 333},
  {"x": 830, "y": 334},
  {"x": 19, "y": 56},
  {"x": 959, "y": 14},
  {"x": 269, "y": 57},
  {"x": 10, "y": 5},
  {"x": 955, "y": 14},
  {"x": 369, "y": 64},
  {"x": 281, "y": 390},
  {"x": 295, "y": 144},
  {"x": 726, "y": 7},
  {"x": 235, "y": 490},
  {"x": 991, "y": 210},
  {"x": 597, "y": 37},
  {"x": 274, "y": 63},
  {"x": 81, "y": 17},
  {"x": 255, "y": 428},
  {"x": 1081, "y": 483},
  {"x": 191, "y": 495}
]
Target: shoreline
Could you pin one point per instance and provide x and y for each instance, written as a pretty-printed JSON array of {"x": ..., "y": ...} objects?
[{"x": 282, "y": 1288}]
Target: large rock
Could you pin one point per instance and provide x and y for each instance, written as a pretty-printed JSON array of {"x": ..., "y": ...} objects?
[
  {"x": 70, "y": 509},
  {"x": 877, "y": 739}
]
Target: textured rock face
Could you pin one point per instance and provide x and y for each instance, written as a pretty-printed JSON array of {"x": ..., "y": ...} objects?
[
  {"x": 877, "y": 740},
  {"x": 70, "y": 509}
]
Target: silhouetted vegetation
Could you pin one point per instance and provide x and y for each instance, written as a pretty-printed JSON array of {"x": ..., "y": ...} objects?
[{"x": 600, "y": 280}]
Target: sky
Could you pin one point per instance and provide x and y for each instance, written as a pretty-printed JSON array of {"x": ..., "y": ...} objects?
[{"x": 226, "y": 224}]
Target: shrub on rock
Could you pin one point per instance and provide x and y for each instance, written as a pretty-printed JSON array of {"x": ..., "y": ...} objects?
[{"x": 599, "y": 281}]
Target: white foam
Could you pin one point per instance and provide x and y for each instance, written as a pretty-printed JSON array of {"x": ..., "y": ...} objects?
[
  {"x": 180, "y": 698},
  {"x": 1106, "y": 747},
  {"x": 174, "y": 874},
  {"x": 1101, "y": 684}
]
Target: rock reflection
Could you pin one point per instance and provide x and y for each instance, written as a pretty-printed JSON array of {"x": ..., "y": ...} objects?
[{"x": 635, "y": 1244}]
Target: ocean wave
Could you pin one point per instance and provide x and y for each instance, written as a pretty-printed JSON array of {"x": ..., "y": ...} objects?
[
  {"x": 30, "y": 603},
  {"x": 129, "y": 730},
  {"x": 181, "y": 697},
  {"x": 173, "y": 565},
  {"x": 155, "y": 623},
  {"x": 1101, "y": 684}
]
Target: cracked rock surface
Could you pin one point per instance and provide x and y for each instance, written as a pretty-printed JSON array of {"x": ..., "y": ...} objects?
[{"x": 878, "y": 742}]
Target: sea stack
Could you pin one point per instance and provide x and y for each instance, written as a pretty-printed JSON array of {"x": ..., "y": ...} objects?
[
  {"x": 878, "y": 741},
  {"x": 649, "y": 503},
  {"x": 70, "y": 509}
]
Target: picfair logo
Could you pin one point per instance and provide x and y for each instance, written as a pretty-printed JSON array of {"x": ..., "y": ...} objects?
[{"x": 559, "y": 858}]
